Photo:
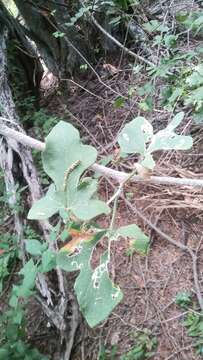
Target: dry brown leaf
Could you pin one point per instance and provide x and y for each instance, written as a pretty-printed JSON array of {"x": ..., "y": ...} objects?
[
  {"x": 110, "y": 68},
  {"x": 77, "y": 237},
  {"x": 2, "y": 251}
]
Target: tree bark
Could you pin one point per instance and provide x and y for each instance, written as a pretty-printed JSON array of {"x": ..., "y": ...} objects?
[
  {"x": 42, "y": 19},
  {"x": 26, "y": 66},
  {"x": 16, "y": 158}
]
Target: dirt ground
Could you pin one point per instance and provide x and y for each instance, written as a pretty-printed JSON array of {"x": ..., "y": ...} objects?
[{"x": 149, "y": 284}]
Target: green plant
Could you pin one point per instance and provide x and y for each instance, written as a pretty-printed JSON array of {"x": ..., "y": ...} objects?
[
  {"x": 193, "y": 320},
  {"x": 181, "y": 71},
  {"x": 105, "y": 353},
  {"x": 5, "y": 199},
  {"x": 191, "y": 20},
  {"x": 30, "y": 233},
  {"x": 13, "y": 343},
  {"x": 145, "y": 347},
  {"x": 8, "y": 257},
  {"x": 72, "y": 196},
  {"x": 194, "y": 325},
  {"x": 43, "y": 122},
  {"x": 183, "y": 299}
]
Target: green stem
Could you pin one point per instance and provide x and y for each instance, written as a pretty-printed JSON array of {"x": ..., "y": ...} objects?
[{"x": 115, "y": 198}]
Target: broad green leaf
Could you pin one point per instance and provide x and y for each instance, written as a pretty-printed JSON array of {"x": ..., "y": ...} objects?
[
  {"x": 139, "y": 241},
  {"x": 44, "y": 208},
  {"x": 64, "y": 160},
  {"x": 48, "y": 261},
  {"x": 175, "y": 95},
  {"x": 29, "y": 271},
  {"x": 195, "y": 96},
  {"x": 146, "y": 89},
  {"x": 63, "y": 149},
  {"x": 196, "y": 78},
  {"x": 80, "y": 259},
  {"x": 155, "y": 26},
  {"x": 4, "y": 264},
  {"x": 77, "y": 201},
  {"x": 198, "y": 116},
  {"x": 170, "y": 141},
  {"x": 34, "y": 247},
  {"x": 167, "y": 139},
  {"x": 81, "y": 204},
  {"x": 90, "y": 209},
  {"x": 137, "y": 137},
  {"x": 96, "y": 294},
  {"x": 148, "y": 161},
  {"x": 147, "y": 104},
  {"x": 198, "y": 22},
  {"x": 170, "y": 41},
  {"x": 134, "y": 136},
  {"x": 178, "y": 118},
  {"x": 4, "y": 353}
]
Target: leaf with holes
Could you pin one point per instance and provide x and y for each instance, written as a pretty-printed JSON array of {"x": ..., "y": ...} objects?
[
  {"x": 64, "y": 160},
  {"x": 167, "y": 139},
  {"x": 63, "y": 149},
  {"x": 135, "y": 135},
  {"x": 139, "y": 242},
  {"x": 96, "y": 294}
]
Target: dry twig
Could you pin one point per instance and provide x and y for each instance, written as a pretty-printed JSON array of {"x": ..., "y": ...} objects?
[{"x": 119, "y": 176}]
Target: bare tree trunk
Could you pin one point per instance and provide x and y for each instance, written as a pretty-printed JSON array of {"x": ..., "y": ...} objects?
[
  {"x": 10, "y": 150},
  {"x": 45, "y": 18}
]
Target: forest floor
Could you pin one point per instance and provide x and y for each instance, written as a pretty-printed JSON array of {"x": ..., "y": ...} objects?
[{"x": 150, "y": 284}]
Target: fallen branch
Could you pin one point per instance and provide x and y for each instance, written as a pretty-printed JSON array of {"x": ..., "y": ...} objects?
[
  {"x": 125, "y": 49},
  {"x": 119, "y": 176}
]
